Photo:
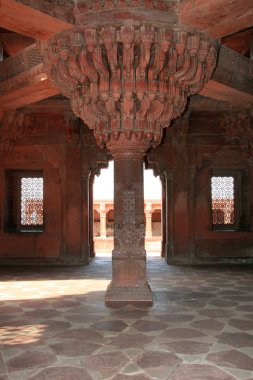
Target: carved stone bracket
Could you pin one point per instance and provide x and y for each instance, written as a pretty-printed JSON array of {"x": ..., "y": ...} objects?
[{"x": 129, "y": 79}]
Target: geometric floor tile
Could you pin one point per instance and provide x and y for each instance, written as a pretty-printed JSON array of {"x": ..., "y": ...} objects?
[{"x": 54, "y": 325}]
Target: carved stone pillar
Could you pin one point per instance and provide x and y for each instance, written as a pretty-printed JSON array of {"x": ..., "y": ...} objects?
[
  {"x": 129, "y": 283},
  {"x": 148, "y": 220},
  {"x": 102, "y": 213},
  {"x": 127, "y": 68}
]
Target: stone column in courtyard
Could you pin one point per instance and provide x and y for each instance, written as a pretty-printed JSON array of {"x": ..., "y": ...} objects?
[
  {"x": 128, "y": 67},
  {"x": 148, "y": 220},
  {"x": 102, "y": 213}
]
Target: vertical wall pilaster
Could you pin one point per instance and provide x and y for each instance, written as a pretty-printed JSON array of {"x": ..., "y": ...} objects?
[
  {"x": 169, "y": 245},
  {"x": 164, "y": 220},
  {"x": 91, "y": 219},
  {"x": 85, "y": 217},
  {"x": 192, "y": 173}
]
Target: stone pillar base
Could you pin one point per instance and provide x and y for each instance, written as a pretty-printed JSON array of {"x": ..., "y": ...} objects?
[{"x": 120, "y": 296}]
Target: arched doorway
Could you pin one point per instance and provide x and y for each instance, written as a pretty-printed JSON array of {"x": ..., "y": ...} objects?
[
  {"x": 153, "y": 211},
  {"x": 103, "y": 214}
]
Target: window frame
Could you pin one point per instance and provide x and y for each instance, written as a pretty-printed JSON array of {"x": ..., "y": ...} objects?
[
  {"x": 236, "y": 174},
  {"x": 12, "y": 222}
]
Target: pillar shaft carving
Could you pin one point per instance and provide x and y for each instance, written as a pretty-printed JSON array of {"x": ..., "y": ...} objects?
[{"x": 129, "y": 284}]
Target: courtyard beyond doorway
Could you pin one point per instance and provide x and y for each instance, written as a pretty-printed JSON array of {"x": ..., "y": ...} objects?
[{"x": 103, "y": 212}]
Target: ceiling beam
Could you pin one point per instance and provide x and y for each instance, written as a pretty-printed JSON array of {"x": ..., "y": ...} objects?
[
  {"x": 23, "y": 80},
  {"x": 240, "y": 42},
  {"x": 40, "y": 23},
  {"x": 218, "y": 91},
  {"x": 13, "y": 42},
  {"x": 217, "y": 18},
  {"x": 25, "y": 88},
  {"x": 232, "y": 80}
]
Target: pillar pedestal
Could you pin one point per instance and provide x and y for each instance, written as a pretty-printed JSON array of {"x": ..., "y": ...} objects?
[
  {"x": 140, "y": 296},
  {"x": 129, "y": 283}
]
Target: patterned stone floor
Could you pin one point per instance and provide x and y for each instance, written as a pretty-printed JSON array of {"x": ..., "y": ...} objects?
[{"x": 54, "y": 325}]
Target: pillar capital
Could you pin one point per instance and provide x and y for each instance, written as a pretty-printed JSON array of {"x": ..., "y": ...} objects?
[
  {"x": 128, "y": 144},
  {"x": 129, "y": 78}
]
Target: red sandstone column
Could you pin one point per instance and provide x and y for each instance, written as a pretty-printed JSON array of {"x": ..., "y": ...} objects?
[
  {"x": 148, "y": 220},
  {"x": 129, "y": 283},
  {"x": 91, "y": 219},
  {"x": 102, "y": 213}
]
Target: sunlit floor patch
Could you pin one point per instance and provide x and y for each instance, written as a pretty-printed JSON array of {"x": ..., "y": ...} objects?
[{"x": 54, "y": 325}]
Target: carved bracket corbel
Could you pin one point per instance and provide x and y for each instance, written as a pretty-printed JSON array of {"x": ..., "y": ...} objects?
[{"x": 129, "y": 79}]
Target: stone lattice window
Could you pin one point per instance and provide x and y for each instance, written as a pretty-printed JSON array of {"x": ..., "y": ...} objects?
[
  {"x": 24, "y": 200},
  {"x": 31, "y": 201},
  {"x": 225, "y": 199}
]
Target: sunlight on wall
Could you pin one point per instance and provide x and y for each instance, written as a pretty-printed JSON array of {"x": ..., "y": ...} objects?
[{"x": 104, "y": 184}]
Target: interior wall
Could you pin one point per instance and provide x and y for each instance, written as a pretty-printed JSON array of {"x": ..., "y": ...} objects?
[
  {"x": 194, "y": 146},
  {"x": 66, "y": 152}
]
